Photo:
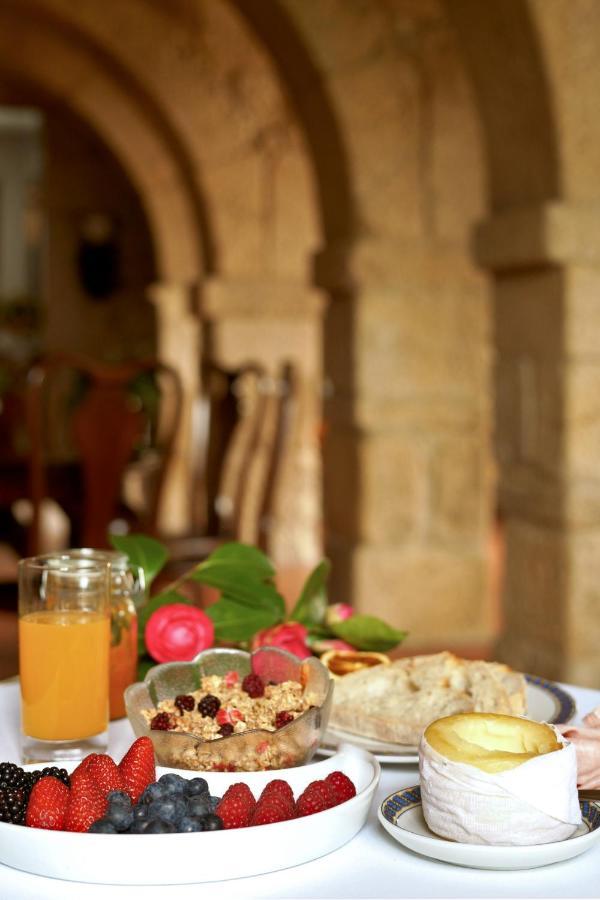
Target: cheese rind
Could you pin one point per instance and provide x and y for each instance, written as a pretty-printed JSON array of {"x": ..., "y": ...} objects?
[{"x": 527, "y": 796}]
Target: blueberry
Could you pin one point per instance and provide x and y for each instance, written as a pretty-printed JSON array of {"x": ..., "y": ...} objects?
[
  {"x": 118, "y": 797},
  {"x": 154, "y": 791},
  {"x": 198, "y": 806},
  {"x": 212, "y": 822},
  {"x": 120, "y": 815},
  {"x": 190, "y": 823},
  {"x": 102, "y": 826},
  {"x": 173, "y": 783},
  {"x": 139, "y": 826},
  {"x": 141, "y": 812},
  {"x": 159, "y": 826},
  {"x": 214, "y": 802},
  {"x": 172, "y": 809},
  {"x": 195, "y": 786}
]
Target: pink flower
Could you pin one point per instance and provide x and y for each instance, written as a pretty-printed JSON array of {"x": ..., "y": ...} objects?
[
  {"x": 290, "y": 636},
  {"x": 321, "y": 646},
  {"x": 178, "y": 632},
  {"x": 338, "y": 612}
]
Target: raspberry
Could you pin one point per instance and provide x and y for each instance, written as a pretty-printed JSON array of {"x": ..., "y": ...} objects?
[
  {"x": 236, "y": 806},
  {"x": 282, "y": 718},
  {"x": 253, "y": 685},
  {"x": 226, "y": 729},
  {"x": 272, "y": 810},
  {"x": 341, "y": 786},
  {"x": 184, "y": 702},
  {"x": 209, "y": 706},
  {"x": 162, "y": 721},
  {"x": 317, "y": 797},
  {"x": 242, "y": 792},
  {"x": 277, "y": 788}
]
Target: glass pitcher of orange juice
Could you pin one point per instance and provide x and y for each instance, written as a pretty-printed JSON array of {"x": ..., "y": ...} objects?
[
  {"x": 64, "y": 628},
  {"x": 127, "y": 592}
]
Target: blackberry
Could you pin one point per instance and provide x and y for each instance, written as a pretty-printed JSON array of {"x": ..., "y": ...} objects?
[
  {"x": 253, "y": 685},
  {"x": 209, "y": 706},
  {"x": 162, "y": 721},
  {"x": 54, "y": 771},
  {"x": 13, "y": 803},
  {"x": 226, "y": 729},
  {"x": 283, "y": 718},
  {"x": 13, "y": 777},
  {"x": 184, "y": 703}
]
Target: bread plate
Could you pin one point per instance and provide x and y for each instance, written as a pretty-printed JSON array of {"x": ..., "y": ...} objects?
[
  {"x": 401, "y": 815},
  {"x": 206, "y": 856},
  {"x": 546, "y": 702}
]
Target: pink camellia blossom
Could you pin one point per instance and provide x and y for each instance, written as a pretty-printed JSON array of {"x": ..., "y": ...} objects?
[
  {"x": 338, "y": 612},
  {"x": 321, "y": 646},
  {"x": 178, "y": 632},
  {"x": 290, "y": 636}
]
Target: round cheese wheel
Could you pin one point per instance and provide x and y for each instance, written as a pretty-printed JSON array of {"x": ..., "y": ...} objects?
[{"x": 496, "y": 779}]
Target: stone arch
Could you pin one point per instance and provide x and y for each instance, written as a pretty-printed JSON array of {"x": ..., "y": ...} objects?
[
  {"x": 79, "y": 74},
  {"x": 207, "y": 198}
]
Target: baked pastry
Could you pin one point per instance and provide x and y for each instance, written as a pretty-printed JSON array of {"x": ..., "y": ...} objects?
[{"x": 396, "y": 702}]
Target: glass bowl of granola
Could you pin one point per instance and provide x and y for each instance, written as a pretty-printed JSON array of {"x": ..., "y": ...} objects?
[{"x": 232, "y": 711}]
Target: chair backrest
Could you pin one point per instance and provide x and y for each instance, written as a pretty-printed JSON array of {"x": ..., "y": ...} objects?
[
  {"x": 249, "y": 426},
  {"x": 107, "y": 424}
]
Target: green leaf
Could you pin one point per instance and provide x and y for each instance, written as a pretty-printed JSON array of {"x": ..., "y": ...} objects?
[
  {"x": 154, "y": 603},
  {"x": 236, "y": 621},
  {"x": 368, "y": 633},
  {"x": 238, "y": 583},
  {"x": 312, "y": 603},
  {"x": 142, "y": 551},
  {"x": 144, "y": 663},
  {"x": 251, "y": 559}
]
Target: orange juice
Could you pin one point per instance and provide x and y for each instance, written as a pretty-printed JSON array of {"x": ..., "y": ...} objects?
[{"x": 63, "y": 667}]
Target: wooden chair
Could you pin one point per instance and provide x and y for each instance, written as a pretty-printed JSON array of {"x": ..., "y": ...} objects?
[
  {"x": 250, "y": 417},
  {"x": 105, "y": 426}
]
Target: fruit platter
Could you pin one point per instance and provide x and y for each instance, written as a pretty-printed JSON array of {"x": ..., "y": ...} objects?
[{"x": 66, "y": 822}]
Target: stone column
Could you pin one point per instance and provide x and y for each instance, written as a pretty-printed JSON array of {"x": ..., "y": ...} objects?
[
  {"x": 179, "y": 337},
  {"x": 546, "y": 262},
  {"x": 271, "y": 320},
  {"x": 407, "y": 477}
]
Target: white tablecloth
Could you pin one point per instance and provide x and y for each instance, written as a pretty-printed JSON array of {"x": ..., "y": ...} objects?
[{"x": 371, "y": 865}]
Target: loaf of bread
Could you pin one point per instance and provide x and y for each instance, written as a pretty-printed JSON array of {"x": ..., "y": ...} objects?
[{"x": 396, "y": 702}]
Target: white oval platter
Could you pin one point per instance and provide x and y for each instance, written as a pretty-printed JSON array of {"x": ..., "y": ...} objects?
[{"x": 206, "y": 856}]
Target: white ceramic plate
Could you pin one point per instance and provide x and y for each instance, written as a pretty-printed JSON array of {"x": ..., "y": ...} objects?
[
  {"x": 546, "y": 702},
  {"x": 402, "y": 816},
  {"x": 208, "y": 856}
]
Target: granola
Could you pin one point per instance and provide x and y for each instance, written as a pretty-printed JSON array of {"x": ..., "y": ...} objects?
[{"x": 246, "y": 712}]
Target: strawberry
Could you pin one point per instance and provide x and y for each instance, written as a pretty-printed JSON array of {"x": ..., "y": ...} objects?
[
  {"x": 104, "y": 771},
  {"x": 228, "y": 715},
  {"x": 231, "y": 679},
  {"x": 278, "y": 788},
  {"x": 86, "y": 803},
  {"x": 341, "y": 787},
  {"x": 47, "y": 804},
  {"x": 84, "y": 764},
  {"x": 137, "y": 768},
  {"x": 315, "y": 798}
]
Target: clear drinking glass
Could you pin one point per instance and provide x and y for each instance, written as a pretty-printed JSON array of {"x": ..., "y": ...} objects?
[
  {"x": 64, "y": 641},
  {"x": 127, "y": 593}
]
